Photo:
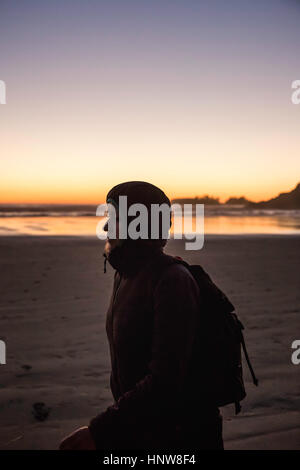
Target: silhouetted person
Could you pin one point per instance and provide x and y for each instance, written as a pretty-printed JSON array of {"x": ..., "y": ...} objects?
[{"x": 151, "y": 326}]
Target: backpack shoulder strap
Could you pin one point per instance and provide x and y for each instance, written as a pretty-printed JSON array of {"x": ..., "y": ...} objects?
[{"x": 162, "y": 262}]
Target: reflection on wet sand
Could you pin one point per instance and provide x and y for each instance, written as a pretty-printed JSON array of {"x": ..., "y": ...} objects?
[{"x": 283, "y": 223}]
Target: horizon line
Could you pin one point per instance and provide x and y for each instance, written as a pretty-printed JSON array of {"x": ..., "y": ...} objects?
[{"x": 171, "y": 199}]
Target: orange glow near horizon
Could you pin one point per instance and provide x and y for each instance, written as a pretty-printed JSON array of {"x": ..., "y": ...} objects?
[{"x": 42, "y": 195}]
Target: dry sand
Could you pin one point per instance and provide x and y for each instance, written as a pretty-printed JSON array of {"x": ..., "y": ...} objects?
[{"x": 52, "y": 309}]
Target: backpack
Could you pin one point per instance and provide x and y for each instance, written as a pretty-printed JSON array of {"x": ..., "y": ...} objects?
[{"x": 216, "y": 365}]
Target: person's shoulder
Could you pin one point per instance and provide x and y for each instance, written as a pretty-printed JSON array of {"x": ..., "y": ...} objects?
[
  {"x": 176, "y": 282},
  {"x": 178, "y": 273}
]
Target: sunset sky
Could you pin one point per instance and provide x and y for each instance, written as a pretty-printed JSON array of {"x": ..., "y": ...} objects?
[{"x": 192, "y": 97}]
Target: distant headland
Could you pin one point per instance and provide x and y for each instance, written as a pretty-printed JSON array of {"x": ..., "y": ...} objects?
[{"x": 290, "y": 200}]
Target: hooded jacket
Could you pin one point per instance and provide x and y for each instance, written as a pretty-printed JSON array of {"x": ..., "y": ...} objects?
[{"x": 151, "y": 325}]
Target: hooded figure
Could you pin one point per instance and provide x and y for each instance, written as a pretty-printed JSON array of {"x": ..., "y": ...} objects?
[
  {"x": 127, "y": 255},
  {"x": 151, "y": 325}
]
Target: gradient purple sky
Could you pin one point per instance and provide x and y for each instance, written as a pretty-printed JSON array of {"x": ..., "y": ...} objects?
[{"x": 192, "y": 96}]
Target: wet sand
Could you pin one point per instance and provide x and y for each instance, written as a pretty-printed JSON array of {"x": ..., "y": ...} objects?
[{"x": 53, "y": 299}]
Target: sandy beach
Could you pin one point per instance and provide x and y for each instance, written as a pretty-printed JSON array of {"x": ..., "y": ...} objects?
[{"x": 53, "y": 302}]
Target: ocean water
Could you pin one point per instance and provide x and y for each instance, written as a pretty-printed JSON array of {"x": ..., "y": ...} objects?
[{"x": 81, "y": 220}]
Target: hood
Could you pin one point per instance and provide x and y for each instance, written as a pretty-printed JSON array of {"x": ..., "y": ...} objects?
[{"x": 138, "y": 192}]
